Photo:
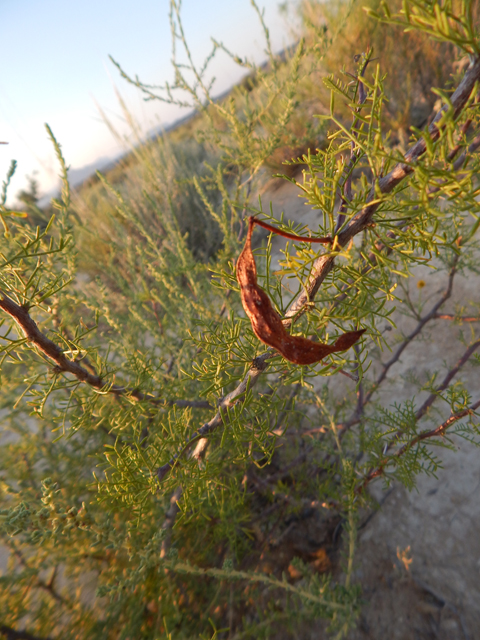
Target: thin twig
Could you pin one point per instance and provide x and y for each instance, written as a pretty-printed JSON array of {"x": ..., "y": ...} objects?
[
  {"x": 346, "y": 183},
  {"x": 451, "y": 316},
  {"x": 431, "y": 315},
  {"x": 169, "y": 521},
  {"x": 446, "y": 381},
  {"x": 259, "y": 365},
  {"x": 424, "y": 435},
  {"x": 433, "y": 396}
]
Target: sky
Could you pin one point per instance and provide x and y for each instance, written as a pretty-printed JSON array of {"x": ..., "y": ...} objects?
[{"x": 56, "y": 70}]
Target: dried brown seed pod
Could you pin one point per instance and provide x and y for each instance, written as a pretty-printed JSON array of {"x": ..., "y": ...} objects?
[{"x": 266, "y": 322}]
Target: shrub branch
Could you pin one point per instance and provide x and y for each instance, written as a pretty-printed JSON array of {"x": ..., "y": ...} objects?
[
  {"x": 46, "y": 346},
  {"x": 324, "y": 263},
  {"x": 424, "y": 435}
]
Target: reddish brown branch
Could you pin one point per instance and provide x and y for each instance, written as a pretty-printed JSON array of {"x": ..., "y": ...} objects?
[
  {"x": 450, "y": 316},
  {"x": 446, "y": 381},
  {"x": 424, "y": 435},
  {"x": 46, "y": 346},
  {"x": 422, "y": 322},
  {"x": 33, "y": 334}
]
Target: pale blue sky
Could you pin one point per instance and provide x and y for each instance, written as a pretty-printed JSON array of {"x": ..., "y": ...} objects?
[{"x": 56, "y": 67}]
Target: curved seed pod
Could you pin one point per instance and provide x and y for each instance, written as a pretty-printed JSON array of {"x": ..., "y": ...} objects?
[{"x": 267, "y": 324}]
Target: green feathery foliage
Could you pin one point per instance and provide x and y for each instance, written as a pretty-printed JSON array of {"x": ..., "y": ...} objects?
[{"x": 153, "y": 449}]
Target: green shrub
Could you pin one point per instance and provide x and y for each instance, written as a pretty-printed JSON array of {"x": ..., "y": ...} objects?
[{"x": 152, "y": 446}]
